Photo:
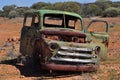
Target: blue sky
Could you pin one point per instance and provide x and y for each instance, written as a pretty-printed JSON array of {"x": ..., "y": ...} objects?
[{"x": 30, "y": 2}]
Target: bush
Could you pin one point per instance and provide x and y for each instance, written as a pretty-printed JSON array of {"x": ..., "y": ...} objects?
[
  {"x": 1, "y": 13},
  {"x": 12, "y": 14},
  {"x": 111, "y": 12}
]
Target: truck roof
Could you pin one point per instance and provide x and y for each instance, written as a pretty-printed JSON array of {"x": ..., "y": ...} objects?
[{"x": 44, "y": 11}]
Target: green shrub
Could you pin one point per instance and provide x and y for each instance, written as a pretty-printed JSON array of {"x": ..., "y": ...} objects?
[
  {"x": 111, "y": 12},
  {"x": 12, "y": 14}
]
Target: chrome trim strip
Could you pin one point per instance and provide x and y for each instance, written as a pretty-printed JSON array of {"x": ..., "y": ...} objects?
[
  {"x": 74, "y": 54},
  {"x": 73, "y": 60},
  {"x": 76, "y": 49}
]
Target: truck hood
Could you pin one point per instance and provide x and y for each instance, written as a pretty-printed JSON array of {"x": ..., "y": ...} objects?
[{"x": 65, "y": 32}]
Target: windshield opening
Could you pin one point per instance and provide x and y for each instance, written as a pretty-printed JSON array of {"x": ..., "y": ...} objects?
[{"x": 57, "y": 20}]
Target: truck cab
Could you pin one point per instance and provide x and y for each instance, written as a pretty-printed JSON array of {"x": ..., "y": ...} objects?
[{"x": 58, "y": 40}]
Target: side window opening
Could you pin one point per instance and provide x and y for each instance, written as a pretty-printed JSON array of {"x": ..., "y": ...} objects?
[
  {"x": 35, "y": 21},
  {"x": 28, "y": 21},
  {"x": 31, "y": 20}
]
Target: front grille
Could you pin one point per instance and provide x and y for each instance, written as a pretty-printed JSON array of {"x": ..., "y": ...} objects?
[{"x": 73, "y": 56}]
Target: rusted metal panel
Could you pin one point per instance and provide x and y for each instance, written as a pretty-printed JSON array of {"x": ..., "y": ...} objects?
[
  {"x": 63, "y": 32},
  {"x": 60, "y": 67}
]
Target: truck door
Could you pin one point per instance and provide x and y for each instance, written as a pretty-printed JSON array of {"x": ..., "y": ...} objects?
[
  {"x": 28, "y": 32},
  {"x": 97, "y": 35}
]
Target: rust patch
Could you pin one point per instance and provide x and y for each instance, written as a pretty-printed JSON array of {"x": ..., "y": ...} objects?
[
  {"x": 52, "y": 66},
  {"x": 63, "y": 32}
]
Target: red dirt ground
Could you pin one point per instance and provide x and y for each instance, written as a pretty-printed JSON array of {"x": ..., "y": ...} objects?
[{"x": 109, "y": 69}]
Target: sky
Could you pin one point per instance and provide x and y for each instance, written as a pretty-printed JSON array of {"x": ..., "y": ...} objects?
[{"x": 30, "y": 2}]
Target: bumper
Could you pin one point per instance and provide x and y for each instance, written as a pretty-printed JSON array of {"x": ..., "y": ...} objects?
[{"x": 61, "y": 67}]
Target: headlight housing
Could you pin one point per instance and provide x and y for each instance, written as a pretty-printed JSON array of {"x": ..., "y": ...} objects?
[
  {"x": 97, "y": 50},
  {"x": 53, "y": 46}
]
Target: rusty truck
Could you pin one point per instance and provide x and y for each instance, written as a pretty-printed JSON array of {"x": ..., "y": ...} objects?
[{"x": 59, "y": 40}]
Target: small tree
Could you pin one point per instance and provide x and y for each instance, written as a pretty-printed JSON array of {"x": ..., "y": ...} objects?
[
  {"x": 58, "y": 6},
  {"x": 1, "y": 13},
  {"x": 103, "y": 4},
  {"x": 21, "y": 10},
  {"x": 12, "y": 14},
  {"x": 29, "y": 10},
  {"x": 7, "y": 9},
  {"x": 68, "y": 6},
  {"x": 102, "y": 0},
  {"x": 72, "y": 7},
  {"x": 93, "y": 9},
  {"x": 40, "y": 5},
  {"x": 111, "y": 12}
]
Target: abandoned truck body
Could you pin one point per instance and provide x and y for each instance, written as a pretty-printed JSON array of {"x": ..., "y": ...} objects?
[{"x": 57, "y": 40}]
